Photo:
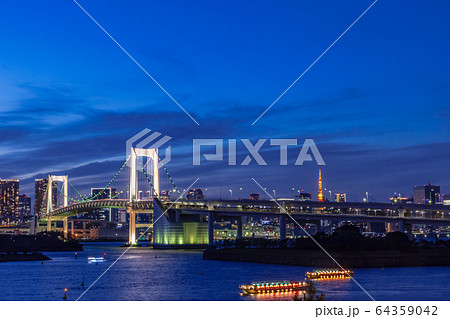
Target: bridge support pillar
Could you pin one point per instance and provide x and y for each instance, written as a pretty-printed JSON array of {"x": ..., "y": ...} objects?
[
  {"x": 49, "y": 223},
  {"x": 389, "y": 227},
  {"x": 66, "y": 227},
  {"x": 239, "y": 228},
  {"x": 282, "y": 220},
  {"x": 34, "y": 225},
  {"x": 131, "y": 225},
  {"x": 211, "y": 229}
]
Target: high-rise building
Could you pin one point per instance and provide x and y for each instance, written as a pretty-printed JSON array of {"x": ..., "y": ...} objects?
[
  {"x": 320, "y": 195},
  {"x": 108, "y": 214},
  {"x": 40, "y": 195},
  {"x": 9, "y": 200},
  {"x": 24, "y": 206},
  {"x": 427, "y": 194},
  {"x": 340, "y": 197}
]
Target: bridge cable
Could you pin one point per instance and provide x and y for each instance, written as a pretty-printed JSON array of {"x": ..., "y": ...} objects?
[
  {"x": 106, "y": 187},
  {"x": 168, "y": 175}
]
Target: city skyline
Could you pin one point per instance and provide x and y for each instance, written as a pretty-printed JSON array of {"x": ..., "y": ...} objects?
[{"x": 70, "y": 106}]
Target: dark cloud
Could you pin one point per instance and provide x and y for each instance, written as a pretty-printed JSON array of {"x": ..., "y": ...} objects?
[{"x": 89, "y": 146}]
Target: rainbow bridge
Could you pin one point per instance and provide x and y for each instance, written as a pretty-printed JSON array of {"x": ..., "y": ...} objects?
[{"x": 192, "y": 222}]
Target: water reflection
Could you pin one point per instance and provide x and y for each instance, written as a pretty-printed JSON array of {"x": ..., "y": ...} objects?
[{"x": 184, "y": 275}]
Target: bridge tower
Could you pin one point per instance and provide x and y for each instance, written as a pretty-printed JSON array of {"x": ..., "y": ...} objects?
[
  {"x": 53, "y": 178},
  {"x": 152, "y": 154}
]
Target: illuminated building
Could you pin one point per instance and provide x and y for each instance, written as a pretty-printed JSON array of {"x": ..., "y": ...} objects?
[
  {"x": 320, "y": 196},
  {"x": 427, "y": 194},
  {"x": 195, "y": 194},
  {"x": 446, "y": 199},
  {"x": 340, "y": 197},
  {"x": 303, "y": 197},
  {"x": 164, "y": 196},
  {"x": 40, "y": 198},
  {"x": 107, "y": 214},
  {"x": 9, "y": 200},
  {"x": 398, "y": 199},
  {"x": 24, "y": 206},
  {"x": 254, "y": 196}
]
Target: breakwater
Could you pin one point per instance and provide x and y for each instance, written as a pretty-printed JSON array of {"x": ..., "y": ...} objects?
[{"x": 347, "y": 259}]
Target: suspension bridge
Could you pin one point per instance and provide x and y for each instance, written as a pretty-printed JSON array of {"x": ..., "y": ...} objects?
[{"x": 192, "y": 222}]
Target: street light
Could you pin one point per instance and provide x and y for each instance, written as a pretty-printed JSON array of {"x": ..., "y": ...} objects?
[
  {"x": 231, "y": 194},
  {"x": 274, "y": 194}
]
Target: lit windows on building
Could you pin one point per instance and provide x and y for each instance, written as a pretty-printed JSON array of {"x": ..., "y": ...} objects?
[
  {"x": 340, "y": 197},
  {"x": 427, "y": 194},
  {"x": 9, "y": 200}
]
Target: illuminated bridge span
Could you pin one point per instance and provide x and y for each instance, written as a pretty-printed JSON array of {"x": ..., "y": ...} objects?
[
  {"x": 83, "y": 207},
  {"x": 197, "y": 217},
  {"x": 192, "y": 222}
]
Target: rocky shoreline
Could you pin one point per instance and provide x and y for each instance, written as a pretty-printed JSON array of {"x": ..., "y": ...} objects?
[{"x": 348, "y": 259}]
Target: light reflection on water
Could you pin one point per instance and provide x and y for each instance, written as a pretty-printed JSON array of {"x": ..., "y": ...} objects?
[{"x": 184, "y": 275}]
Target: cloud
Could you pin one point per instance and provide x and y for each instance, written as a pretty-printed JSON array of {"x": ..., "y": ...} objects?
[{"x": 90, "y": 148}]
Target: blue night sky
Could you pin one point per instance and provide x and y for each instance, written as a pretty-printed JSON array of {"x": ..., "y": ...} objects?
[{"x": 377, "y": 104}]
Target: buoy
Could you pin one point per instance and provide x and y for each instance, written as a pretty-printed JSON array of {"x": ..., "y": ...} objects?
[
  {"x": 155, "y": 256},
  {"x": 382, "y": 269},
  {"x": 82, "y": 282},
  {"x": 65, "y": 297},
  {"x": 201, "y": 273},
  {"x": 76, "y": 255}
]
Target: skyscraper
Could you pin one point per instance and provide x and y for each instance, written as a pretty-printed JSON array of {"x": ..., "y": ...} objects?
[
  {"x": 40, "y": 195},
  {"x": 9, "y": 200},
  {"x": 24, "y": 206},
  {"x": 320, "y": 196},
  {"x": 109, "y": 214}
]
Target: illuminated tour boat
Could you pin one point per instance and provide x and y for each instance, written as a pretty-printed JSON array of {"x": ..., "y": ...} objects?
[
  {"x": 273, "y": 287},
  {"x": 329, "y": 274},
  {"x": 96, "y": 260}
]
